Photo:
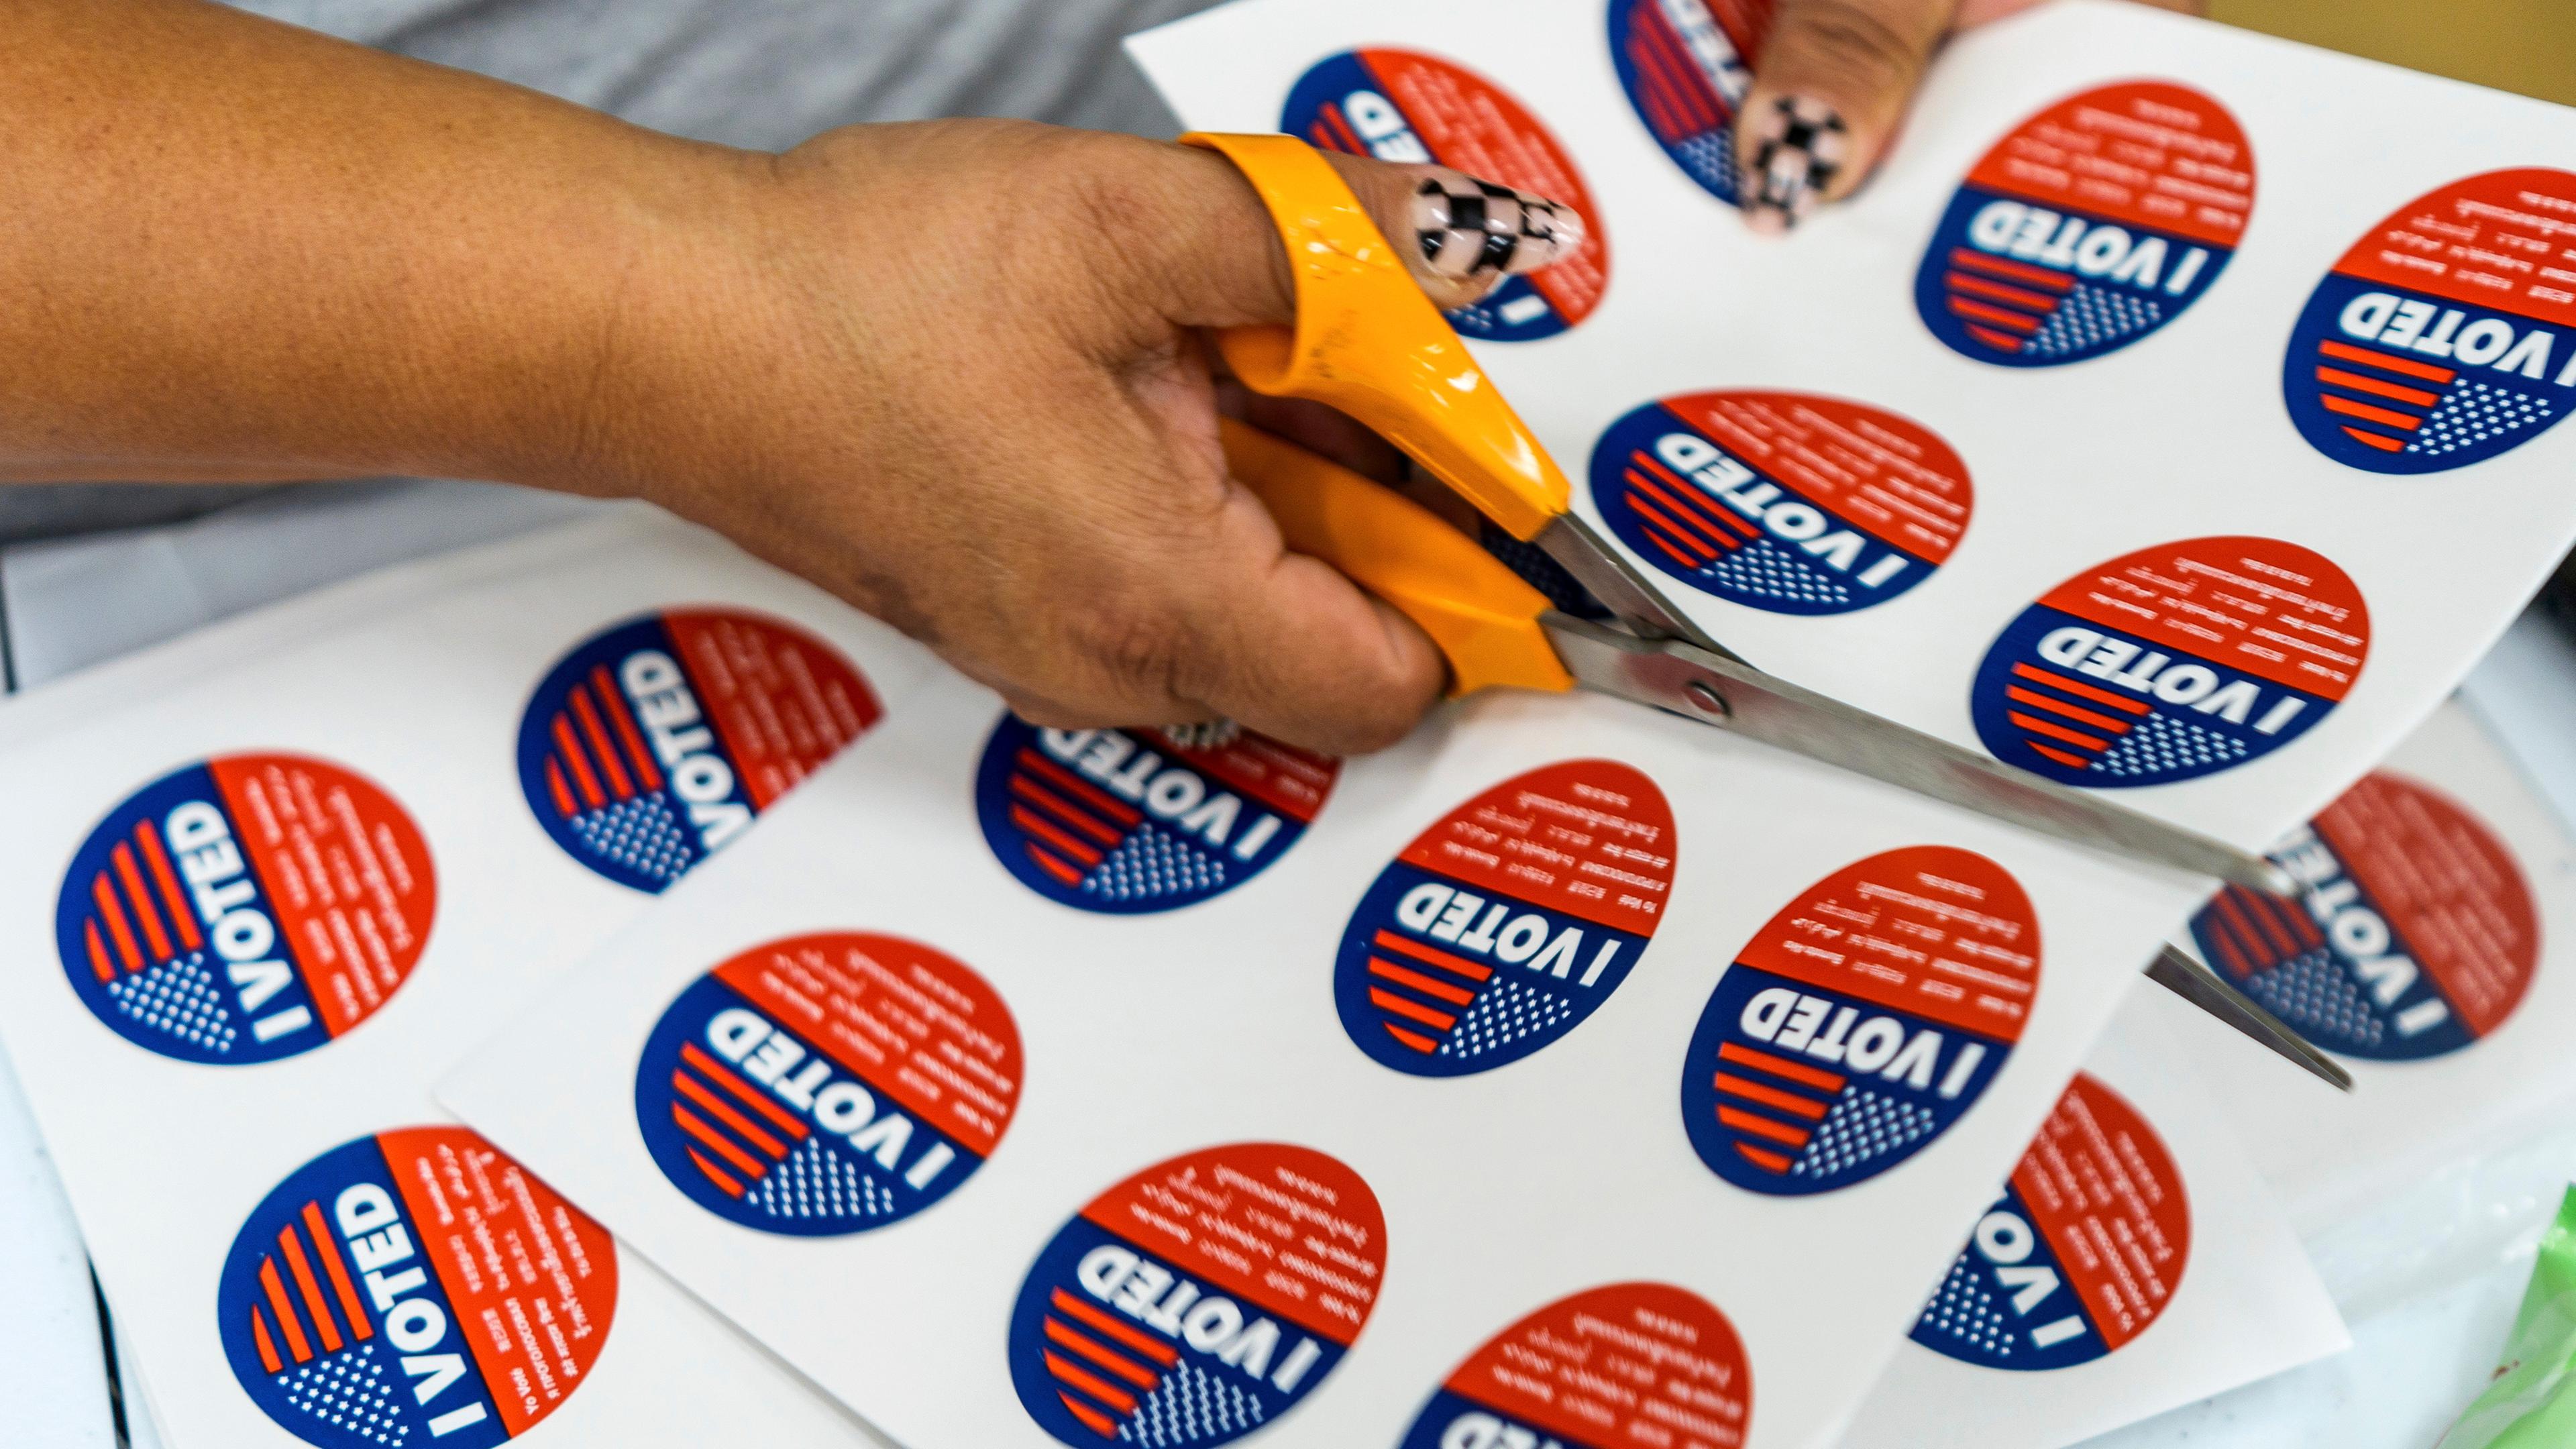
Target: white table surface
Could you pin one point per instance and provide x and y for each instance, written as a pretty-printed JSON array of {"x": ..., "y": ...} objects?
[{"x": 2413, "y": 1366}]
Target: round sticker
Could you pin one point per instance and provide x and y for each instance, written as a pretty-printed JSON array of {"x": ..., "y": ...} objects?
[
  {"x": 2172, "y": 663},
  {"x": 2082, "y": 1252},
  {"x": 1686, "y": 66},
  {"x": 1400, "y": 105},
  {"x": 415, "y": 1286},
  {"x": 1502, "y": 927},
  {"x": 2092, "y": 225},
  {"x": 2418, "y": 935},
  {"x": 1862, "y": 1021},
  {"x": 1127, "y": 821},
  {"x": 245, "y": 909},
  {"x": 1627, "y": 1364},
  {"x": 2447, "y": 335},
  {"x": 655, "y": 742},
  {"x": 824, "y": 1085},
  {"x": 1782, "y": 501},
  {"x": 1199, "y": 1300}
]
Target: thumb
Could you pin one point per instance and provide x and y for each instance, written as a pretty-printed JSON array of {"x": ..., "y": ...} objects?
[
  {"x": 1217, "y": 259},
  {"x": 1832, "y": 87}
]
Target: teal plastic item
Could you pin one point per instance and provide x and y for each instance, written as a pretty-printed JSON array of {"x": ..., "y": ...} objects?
[{"x": 2532, "y": 1402}]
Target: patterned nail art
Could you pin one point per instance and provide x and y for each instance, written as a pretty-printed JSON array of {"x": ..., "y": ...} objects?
[
  {"x": 1474, "y": 230},
  {"x": 1799, "y": 148},
  {"x": 1207, "y": 735}
]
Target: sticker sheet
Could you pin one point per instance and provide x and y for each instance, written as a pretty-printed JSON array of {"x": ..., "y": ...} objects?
[
  {"x": 2136, "y": 1261},
  {"x": 2174, "y": 414},
  {"x": 266, "y": 881},
  {"x": 2428, "y": 952},
  {"x": 1569, "y": 1072}
]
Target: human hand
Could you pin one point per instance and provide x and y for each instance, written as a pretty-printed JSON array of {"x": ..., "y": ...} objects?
[
  {"x": 953, "y": 372},
  {"x": 1831, "y": 91}
]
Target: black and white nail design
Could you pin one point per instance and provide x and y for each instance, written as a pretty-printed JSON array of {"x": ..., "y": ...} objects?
[
  {"x": 1799, "y": 146},
  {"x": 1474, "y": 230}
]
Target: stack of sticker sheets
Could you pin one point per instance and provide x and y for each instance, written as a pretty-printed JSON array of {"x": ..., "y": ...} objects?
[{"x": 1568, "y": 1074}]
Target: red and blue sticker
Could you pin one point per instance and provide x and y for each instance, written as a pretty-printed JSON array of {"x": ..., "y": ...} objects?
[
  {"x": 2447, "y": 335},
  {"x": 2414, "y": 934},
  {"x": 2081, "y": 1254},
  {"x": 246, "y": 909},
  {"x": 1609, "y": 1368},
  {"x": 829, "y": 1084},
  {"x": 655, "y": 742},
  {"x": 1782, "y": 501},
  {"x": 2172, "y": 663},
  {"x": 1200, "y": 1300},
  {"x": 2092, "y": 226},
  {"x": 1505, "y": 925},
  {"x": 1862, "y": 1021},
  {"x": 414, "y": 1288},
  {"x": 1127, "y": 821},
  {"x": 1686, "y": 66},
  {"x": 1403, "y": 106}
]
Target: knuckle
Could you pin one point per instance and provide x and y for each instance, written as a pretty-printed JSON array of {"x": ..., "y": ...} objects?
[
  {"x": 1871, "y": 43},
  {"x": 1142, "y": 649}
]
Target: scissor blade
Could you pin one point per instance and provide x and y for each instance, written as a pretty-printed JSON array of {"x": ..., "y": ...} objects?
[
  {"x": 1606, "y": 574},
  {"x": 2203, "y": 988},
  {"x": 1670, "y": 675}
]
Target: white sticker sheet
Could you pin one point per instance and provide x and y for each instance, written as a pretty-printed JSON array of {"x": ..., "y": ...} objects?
[
  {"x": 2094, "y": 431},
  {"x": 265, "y": 882},
  {"x": 2428, "y": 952},
  {"x": 1567, "y": 1069},
  {"x": 2137, "y": 1262}
]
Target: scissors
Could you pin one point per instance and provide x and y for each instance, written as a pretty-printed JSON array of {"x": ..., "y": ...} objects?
[{"x": 1367, "y": 342}]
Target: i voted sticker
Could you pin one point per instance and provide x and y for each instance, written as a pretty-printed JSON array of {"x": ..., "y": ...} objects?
[
  {"x": 1401, "y": 105},
  {"x": 2093, "y": 225},
  {"x": 2081, "y": 1254},
  {"x": 245, "y": 909},
  {"x": 824, "y": 1085},
  {"x": 2447, "y": 335},
  {"x": 1862, "y": 1022},
  {"x": 1782, "y": 501},
  {"x": 655, "y": 742},
  {"x": 1127, "y": 821},
  {"x": 416, "y": 1288},
  {"x": 2414, "y": 934},
  {"x": 1200, "y": 1300},
  {"x": 1616, "y": 1366},
  {"x": 1506, "y": 924},
  {"x": 2172, "y": 663},
  {"x": 1686, "y": 66}
]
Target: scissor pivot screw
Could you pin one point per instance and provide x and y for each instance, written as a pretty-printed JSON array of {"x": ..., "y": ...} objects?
[{"x": 1704, "y": 695}]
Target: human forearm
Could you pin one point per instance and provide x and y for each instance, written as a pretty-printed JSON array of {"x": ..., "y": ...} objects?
[{"x": 237, "y": 250}]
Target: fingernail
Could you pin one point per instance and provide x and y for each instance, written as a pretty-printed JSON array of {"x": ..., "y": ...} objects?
[
  {"x": 1799, "y": 147},
  {"x": 1475, "y": 230},
  {"x": 1208, "y": 735}
]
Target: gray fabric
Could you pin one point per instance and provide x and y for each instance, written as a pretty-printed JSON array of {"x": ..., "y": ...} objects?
[
  {"x": 769, "y": 73},
  {"x": 757, "y": 73}
]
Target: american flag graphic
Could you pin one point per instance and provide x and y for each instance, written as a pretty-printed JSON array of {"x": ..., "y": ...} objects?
[
  {"x": 1686, "y": 65},
  {"x": 1104, "y": 1369},
  {"x": 2003, "y": 303},
  {"x": 738, "y": 1132}
]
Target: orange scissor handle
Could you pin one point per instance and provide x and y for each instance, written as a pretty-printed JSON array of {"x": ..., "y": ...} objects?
[
  {"x": 1482, "y": 615},
  {"x": 1368, "y": 342}
]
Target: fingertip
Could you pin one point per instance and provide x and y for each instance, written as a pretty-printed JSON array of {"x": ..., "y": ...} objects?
[
  {"x": 1461, "y": 236},
  {"x": 1795, "y": 152}
]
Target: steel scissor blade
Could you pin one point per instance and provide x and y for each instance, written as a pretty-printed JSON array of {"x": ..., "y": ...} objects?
[
  {"x": 2205, "y": 989},
  {"x": 1683, "y": 679}
]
